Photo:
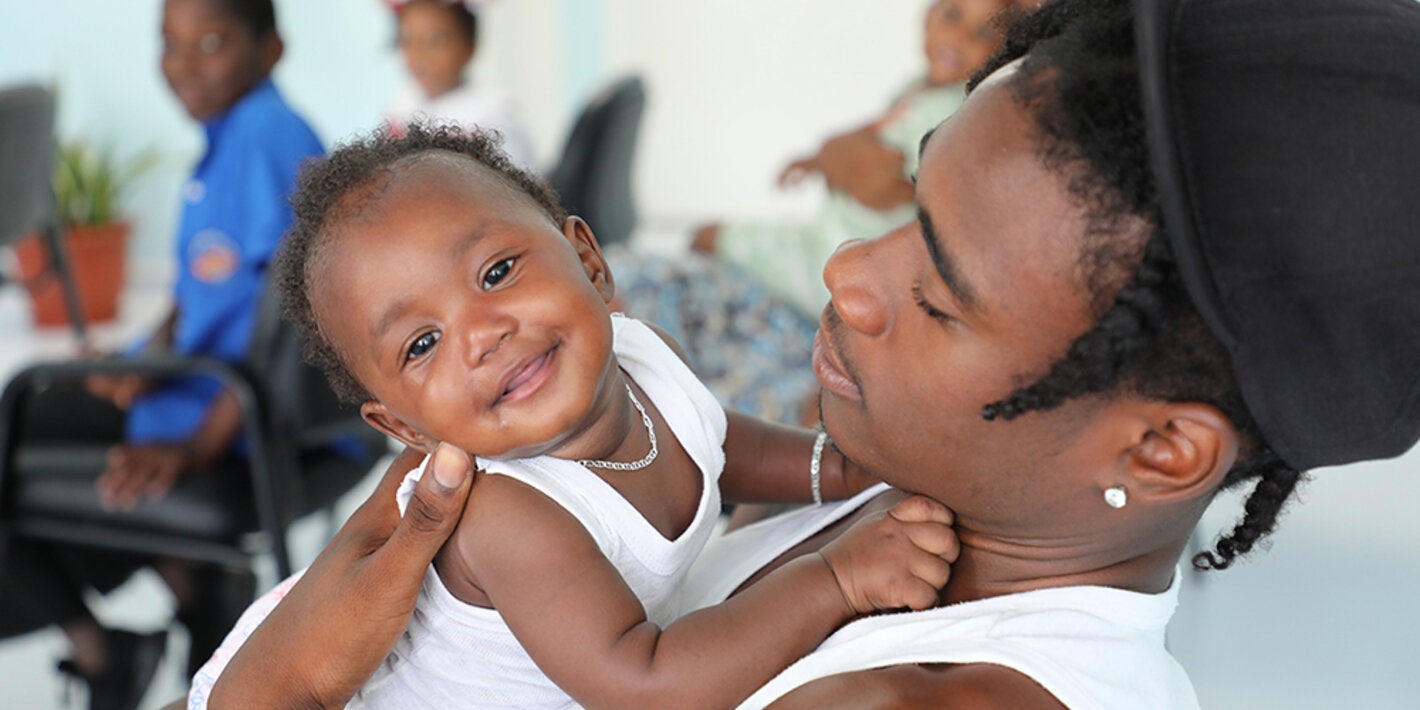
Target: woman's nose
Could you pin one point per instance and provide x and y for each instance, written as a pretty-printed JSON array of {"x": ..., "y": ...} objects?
[{"x": 857, "y": 287}]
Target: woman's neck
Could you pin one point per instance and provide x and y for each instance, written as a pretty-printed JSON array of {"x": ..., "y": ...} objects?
[{"x": 990, "y": 566}]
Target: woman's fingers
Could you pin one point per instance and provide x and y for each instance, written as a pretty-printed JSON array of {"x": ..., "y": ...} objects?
[
  {"x": 304, "y": 656},
  {"x": 430, "y": 517},
  {"x": 370, "y": 525}
]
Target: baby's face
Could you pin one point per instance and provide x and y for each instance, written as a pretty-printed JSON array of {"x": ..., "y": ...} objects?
[
  {"x": 959, "y": 38},
  {"x": 468, "y": 315}
]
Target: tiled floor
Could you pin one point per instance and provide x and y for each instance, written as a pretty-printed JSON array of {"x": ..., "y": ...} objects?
[{"x": 1323, "y": 619}]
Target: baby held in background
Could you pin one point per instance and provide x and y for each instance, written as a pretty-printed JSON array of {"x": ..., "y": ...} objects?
[
  {"x": 868, "y": 170},
  {"x": 444, "y": 289}
]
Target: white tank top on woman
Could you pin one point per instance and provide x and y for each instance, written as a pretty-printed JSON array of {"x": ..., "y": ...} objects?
[{"x": 457, "y": 655}]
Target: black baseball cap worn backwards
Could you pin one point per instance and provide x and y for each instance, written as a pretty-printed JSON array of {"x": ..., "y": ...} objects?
[{"x": 1285, "y": 142}]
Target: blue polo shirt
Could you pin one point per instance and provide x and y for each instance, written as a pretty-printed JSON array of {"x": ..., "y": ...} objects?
[{"x": 234, "y": 210}]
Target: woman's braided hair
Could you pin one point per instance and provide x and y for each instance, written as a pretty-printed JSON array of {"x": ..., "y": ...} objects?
[{"x": 1080, "y": 83}]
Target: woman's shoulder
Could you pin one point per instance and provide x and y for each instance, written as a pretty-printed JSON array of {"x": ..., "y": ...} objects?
[{"x": 970, "y": 685}]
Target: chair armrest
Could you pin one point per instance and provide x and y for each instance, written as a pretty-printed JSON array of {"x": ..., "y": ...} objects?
[
  {"x": 250, "y": 401},
  {"x": 239, "y": 380}
]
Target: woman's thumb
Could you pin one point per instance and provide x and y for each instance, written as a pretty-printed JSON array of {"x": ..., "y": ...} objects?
[
  {"x": 435, "y": 507},
  {"x": 450, "y": 468}
]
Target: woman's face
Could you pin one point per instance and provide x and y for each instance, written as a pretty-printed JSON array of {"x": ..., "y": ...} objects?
[
  {"x": 932, "y": 321},
  {"x": 211, "y": 59},
  {"x": 436, "y": 49}
]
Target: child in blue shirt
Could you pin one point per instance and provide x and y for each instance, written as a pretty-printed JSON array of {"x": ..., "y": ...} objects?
[
  {"x": 234, "y": 210},
  {"x": 217, "y": 59}
]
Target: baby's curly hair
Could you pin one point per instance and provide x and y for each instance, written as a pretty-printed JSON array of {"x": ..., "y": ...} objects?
[{"x": 337, "y": 187}]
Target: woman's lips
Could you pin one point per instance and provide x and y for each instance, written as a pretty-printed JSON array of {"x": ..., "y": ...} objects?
[
  {"x": 526, "y": 380},
  {"x": 830, "y": 374}
]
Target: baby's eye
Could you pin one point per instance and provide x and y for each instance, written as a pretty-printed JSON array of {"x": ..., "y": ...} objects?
[
  {"x": 497, "y": 273},
  {"x": 422, "y": 345}
]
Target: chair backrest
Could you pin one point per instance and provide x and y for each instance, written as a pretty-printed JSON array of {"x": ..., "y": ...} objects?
[
  {"x": 593, "y": 176},
  {"x": 27, "y": 156},
  {"x": 276, "y": 359}
]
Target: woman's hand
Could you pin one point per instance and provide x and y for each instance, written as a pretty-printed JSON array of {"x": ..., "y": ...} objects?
[
  {"x": 858, "y": 164},
  {"x": 797, "y": 171},
  {"x": 325, "y": 639},
  {"x": 705, "y": 239}
]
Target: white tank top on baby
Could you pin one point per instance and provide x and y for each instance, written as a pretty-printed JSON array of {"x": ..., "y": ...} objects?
[{"x": 457, "y": 655}]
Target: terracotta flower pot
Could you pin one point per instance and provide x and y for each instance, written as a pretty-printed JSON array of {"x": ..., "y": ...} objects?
[{"x": 98, "y": 254}]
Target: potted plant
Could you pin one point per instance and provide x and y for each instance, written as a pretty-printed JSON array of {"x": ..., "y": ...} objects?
[{"x": 87, "y": 186}]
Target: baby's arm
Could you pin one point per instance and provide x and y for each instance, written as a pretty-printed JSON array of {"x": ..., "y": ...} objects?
[
  {"x": 769, "y": 463},
  {"x": 576, "y": 617}
]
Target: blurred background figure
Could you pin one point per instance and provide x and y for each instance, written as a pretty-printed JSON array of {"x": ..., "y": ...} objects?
[
  {"x": 217, "y": 58},
  {"x": 438, "y": 40},
  {"x": 747, "y": 317},
  {"x": 868, "y": 170}
]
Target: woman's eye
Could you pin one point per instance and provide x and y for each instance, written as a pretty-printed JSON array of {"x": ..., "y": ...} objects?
[
  {"x": 422, "y": 345},
  {"x": 928, "y": 308},
  {"x": 499, "y": 272}
]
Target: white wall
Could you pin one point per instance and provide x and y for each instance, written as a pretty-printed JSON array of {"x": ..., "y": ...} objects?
[{"x": 736, "y": 87}]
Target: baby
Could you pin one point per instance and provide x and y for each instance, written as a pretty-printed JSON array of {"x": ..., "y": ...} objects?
[{"x": 445, "y": 290}]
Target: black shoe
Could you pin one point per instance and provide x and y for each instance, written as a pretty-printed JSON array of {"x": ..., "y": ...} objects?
[{"x": 132, "y": 661}]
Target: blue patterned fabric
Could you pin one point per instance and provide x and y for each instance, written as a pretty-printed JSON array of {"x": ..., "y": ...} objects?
[{"x": 752, "y": 349}]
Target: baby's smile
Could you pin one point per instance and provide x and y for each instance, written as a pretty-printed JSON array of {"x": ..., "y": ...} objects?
[{"x": 524, "y": 379}]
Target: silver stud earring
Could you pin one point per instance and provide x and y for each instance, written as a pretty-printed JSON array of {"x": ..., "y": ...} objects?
[{"x": 1116, "y": 497}]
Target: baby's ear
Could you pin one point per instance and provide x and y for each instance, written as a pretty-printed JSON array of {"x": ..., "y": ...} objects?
[
  {"x": 579, "y": 233},
  {"x": 387, "y": 423}
]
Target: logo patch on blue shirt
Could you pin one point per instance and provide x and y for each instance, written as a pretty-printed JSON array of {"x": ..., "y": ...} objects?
[{"x": 213, "y": 256}]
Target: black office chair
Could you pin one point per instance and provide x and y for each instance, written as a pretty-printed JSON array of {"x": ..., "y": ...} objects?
[
  {"x": 299, "y": 440},
  {"x": 27, "y": 156},
  {"x": 593, "y": 176}
]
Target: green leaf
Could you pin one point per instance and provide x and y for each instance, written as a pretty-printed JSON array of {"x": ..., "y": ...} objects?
[{"x": 88, "y": 185}]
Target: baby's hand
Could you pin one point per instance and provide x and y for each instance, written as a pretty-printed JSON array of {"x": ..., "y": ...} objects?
[{"x": 898, "y": 558}]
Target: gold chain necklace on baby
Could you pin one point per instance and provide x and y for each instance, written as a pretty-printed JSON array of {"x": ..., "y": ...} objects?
[{"x": 633, "y": 465}]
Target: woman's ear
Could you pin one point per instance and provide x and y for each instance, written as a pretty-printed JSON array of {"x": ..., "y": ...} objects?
[
  {"x": 384, "y": 421},
  {"x": 1185, "y": 453},
  {"x": 579, "y": 233}
]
